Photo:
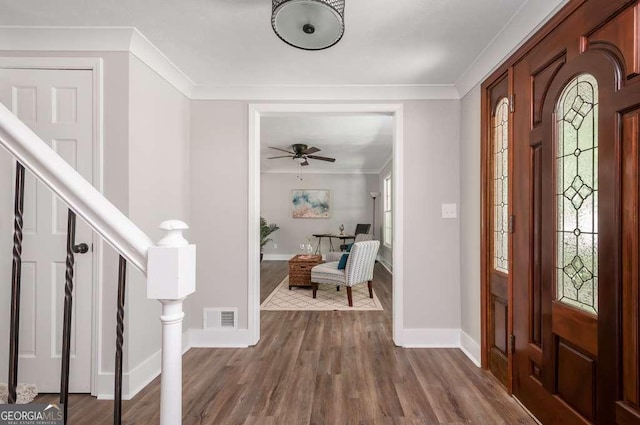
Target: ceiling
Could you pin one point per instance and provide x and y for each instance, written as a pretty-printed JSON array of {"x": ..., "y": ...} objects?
[
  {"x": 231, "y": 43},
  {"x": 359, "y": 143}
]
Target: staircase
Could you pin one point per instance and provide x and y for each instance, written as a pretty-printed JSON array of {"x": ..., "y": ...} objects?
[{"x": 169, "y": 265}]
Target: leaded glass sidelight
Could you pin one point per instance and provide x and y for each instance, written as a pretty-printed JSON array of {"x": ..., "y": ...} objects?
[
  {"x": 577, "y": 194},
  {"x": 501, "y": 187}
]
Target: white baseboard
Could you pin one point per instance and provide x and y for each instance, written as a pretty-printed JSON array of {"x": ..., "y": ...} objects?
[
  {"x": 186, "y": 341},
  {"x": 431, "y": 338},
  {"x": 142, "y": 375},
  {"x": 277, "y": 257},
  {"x": 104, "y": 386},
  {"x": 385, "y": 264},
  {"x": 443, "y": 338},
  {"x": 470, "y": 347},
  {"x": 133, "y": 381},
  {"x": 231, "y": 338},
  {"x": 137, "y": 378}
]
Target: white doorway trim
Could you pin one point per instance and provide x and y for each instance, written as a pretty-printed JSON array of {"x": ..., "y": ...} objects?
[
  {"x": 259, "y": 110},
  {"x": 95, "y": 65}
]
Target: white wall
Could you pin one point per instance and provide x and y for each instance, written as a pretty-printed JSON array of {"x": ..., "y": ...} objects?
[
  {"x": 158, "y": 189},
  {"x": 470, "y": 214},
  {"x": 385, "y": 255},
  {"x": 219, "y": 209},
  {"x": 350, "y": 204},
  {"x": 431, "y": 244},
  {"x": 219, "y": 206}
]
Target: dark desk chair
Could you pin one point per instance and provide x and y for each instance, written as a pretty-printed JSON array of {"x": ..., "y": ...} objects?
[{"x": 360, "y": 228}]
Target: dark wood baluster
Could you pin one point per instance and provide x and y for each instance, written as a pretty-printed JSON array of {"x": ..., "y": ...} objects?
[
  {"x": 117, "y": 399},
  {"x": 68, "y": 302},
  {"x": 16, "y": 274}
]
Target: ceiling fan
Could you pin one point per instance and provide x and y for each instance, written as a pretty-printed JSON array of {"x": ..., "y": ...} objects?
[{"x": 301, "y": 153}]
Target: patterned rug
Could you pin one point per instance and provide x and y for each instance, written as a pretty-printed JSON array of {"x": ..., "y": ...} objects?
[
  {"x": 25, "y": 392},
  {"x": 327, "y": 298}
]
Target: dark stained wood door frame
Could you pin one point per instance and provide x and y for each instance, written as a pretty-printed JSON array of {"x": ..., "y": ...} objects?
[
  {"x": 490, "y": 99},
  {"x": 583, "y": 330},
  {"x": 485, "y": 161},
  {"x": 607, "y": 9}
]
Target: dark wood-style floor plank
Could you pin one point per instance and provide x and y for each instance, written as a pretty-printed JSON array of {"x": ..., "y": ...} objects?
[{"x": 321, "y": 368}]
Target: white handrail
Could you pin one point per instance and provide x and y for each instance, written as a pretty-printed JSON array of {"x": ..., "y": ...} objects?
[{"x": 79, "y": 194}]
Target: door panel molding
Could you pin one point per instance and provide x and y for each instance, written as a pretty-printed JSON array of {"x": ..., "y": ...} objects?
[
  {"x": 96, "y": 66},
  {"x": 570, "y": 366},
  {"x": 496, "y": 296}
]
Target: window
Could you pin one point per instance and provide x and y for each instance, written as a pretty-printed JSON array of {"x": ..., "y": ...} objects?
[
  {"x": 501, "y": 187},
  {"x": 387, "y": 230},
  {"x": 577, "y": 194}
]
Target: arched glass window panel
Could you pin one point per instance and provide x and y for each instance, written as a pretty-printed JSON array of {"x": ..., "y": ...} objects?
[
  {"x": 577, "y": 194},
  {"x": 501, "y": 187}
]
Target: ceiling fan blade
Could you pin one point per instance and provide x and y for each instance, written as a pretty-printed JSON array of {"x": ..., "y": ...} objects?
[
  {"x": 311, "y": 150},
  {"x": 305, "y": 163},
  {"x": 283, "y": 150},
  {"x": 276, "y": 157},
  {"x": 321, "y": 158}
]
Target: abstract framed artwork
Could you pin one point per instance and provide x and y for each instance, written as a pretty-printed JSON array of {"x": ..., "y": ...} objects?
[{"x": 310, "y": 203}]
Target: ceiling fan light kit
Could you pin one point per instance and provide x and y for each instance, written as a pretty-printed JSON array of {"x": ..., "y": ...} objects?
[{"x": 308, "y": 24}]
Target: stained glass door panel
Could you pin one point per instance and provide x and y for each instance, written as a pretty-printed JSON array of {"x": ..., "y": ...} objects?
[
  {"x": 498, "y": 235},
  {"x": 566, "y": 241},
  {"x": 577, "y": 194}
]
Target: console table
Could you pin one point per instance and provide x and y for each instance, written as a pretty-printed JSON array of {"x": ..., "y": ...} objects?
[{"x": 330, "y": 236}]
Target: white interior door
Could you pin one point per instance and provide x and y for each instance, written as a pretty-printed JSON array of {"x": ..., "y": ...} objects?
[{"x": 58, "y": 106}]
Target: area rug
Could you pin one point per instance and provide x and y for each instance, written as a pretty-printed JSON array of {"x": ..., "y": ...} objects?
[
  {"x": 327, "y": 298},
  {"x": 26, "y": 393}
]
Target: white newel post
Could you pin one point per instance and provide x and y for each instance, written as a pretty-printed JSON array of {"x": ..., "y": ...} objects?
[{"x": 171, "y": 278}]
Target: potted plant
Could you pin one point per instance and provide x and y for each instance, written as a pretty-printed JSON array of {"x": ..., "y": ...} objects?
[{"x": 265, "y": 230}]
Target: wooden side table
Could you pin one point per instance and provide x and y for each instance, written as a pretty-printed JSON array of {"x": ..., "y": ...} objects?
[{"x": 300, "y": 269}]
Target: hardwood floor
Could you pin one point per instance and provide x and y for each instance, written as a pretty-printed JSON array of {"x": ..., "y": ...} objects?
[
  {"x": 271, "y": 274},
  {"x": 332, "y": 368}
]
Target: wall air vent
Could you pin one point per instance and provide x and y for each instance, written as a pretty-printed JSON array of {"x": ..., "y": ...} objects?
[{"x": 220, "y": 318}]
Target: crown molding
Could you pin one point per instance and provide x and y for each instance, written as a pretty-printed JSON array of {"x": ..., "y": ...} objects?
[
  {"x": 96, "y": 39},
  {"x": 524, "y": 23},
  {"x": 532, "y": 15},
  {"x": 73, "y": 39},
  {"x": 305, "y": 172},
  {"x": 387, "y": 162},
  {"x": 129, "y": 39},
  {"x": 149, "y": 54},
  {"x": 327, "y": 92}
]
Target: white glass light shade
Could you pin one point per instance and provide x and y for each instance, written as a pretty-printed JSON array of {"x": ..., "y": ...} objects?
[
  {"x": 374, "y": 195},
  {"x": 308, "y": 24}
]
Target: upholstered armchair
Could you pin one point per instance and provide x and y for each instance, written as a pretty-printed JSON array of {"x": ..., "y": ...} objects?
[
  {"x": 336, "y": 255},
  {"x": 359, "y": 269}
]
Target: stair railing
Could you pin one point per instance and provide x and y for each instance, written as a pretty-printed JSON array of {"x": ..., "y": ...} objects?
[{"x": 168, "y": 265}]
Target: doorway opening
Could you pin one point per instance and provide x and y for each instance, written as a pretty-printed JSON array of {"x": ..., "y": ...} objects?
[{"x": 361, "y": 188}]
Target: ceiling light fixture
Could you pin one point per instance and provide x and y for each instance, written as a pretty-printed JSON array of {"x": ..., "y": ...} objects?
[{"x": 308, "y": 24}]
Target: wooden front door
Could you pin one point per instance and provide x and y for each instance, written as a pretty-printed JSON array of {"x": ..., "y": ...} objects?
[
  {"x": 574, "y": 268},
  {"x": 497, "y": 263},
  {"x": 566, "y": 267}
]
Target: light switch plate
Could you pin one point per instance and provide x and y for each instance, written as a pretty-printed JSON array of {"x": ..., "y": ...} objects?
[{"x": 449, "y": 211}]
